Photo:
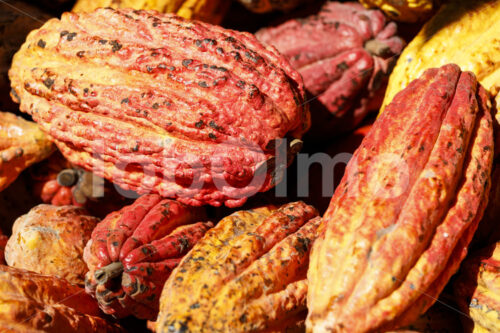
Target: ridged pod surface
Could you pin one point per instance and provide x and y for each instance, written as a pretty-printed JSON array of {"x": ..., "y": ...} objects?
[
  {"x": 345, "y": 54},
  {"x": 477, "y": 290},
  {"x": 132, "y": 252},
  {"x": 35, "y": 303},
  {"x": 403, "y": 10},
  {"x": 50, "y": 240},
  {"x": 247, "y": 274},
  {"x": 22, "y": 144},
  {"x": 211, "y": 11},
  {"x": 401, "y": 220},
  {"x": 462, "y": 32},
  {"x": 156, "y": 103}
]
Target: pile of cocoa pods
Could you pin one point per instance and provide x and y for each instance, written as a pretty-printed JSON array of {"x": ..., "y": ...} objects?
[{"x": 249, "y": 166}]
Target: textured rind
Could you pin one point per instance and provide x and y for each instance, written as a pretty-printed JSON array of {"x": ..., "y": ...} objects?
[
  {"x": 404, "y": 11},
  {"x": 31, "y": 302},
  {"x": 22, "y": 144},
  {"x": 246, "y": 274},
  {"x": 345, "y": 54},
  {"x": 265, "y": 6},
  {"x": 159, "y": 104},
  {"x": 50, "y": 240},
  {"x": 148, "y": 238},
  {"x": 419, "y": 183},
  {"x": 462, "y": 32},
  {"x": 477, "y": 289},
  {"x": 211, "y": 11}
]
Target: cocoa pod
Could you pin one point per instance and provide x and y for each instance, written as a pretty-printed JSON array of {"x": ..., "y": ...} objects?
[
  {"x": 31, "y": 302},
  {"x": 245, "y": 274},
  {"x": 345, "y": 54},
  {"x": 50, "y": 240},
  {"x": 132, "y": 252},
  {"x": 159, "y": 104},
  {"x": 22, "y": 144},
  {"x": 401, "y": 220},
  {"x": 477, "y": 290}
]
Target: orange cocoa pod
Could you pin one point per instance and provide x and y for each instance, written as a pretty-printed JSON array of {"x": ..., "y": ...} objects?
[
  {"x": 31, "y": 302},
  {"x": 401, "y": 220},
  {"x": 246, "y": 274},
  {"x": 477, "y": 290}
]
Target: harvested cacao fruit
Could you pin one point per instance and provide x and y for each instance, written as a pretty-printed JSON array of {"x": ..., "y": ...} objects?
[
  {"x": 477, "y": 290},
  {"x": 265, "y": 6},
  {"x": 247, "y": 274},
  {"x": 211, "y": 11},
  {"x": 403, "y": 10},
  {"x": 345, "y": 54},
  {"x": 14, "y": 27},
  {"x": 50, "y": 240},
  {"x": 30, "y": 302},
  {"x": 194, "y": 111},
  {"x": 22, "y": 144},
  {"x": 401, "y": 220},
  {"x": 132, "y": 252},
  {"x": 462, "y": 32}
]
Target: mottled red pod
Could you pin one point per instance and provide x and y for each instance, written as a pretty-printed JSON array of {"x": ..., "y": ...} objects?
[
  {"x": 400, "y": 221},
  {"x": 345, "y": 54},
  {"x": 132, "y": 252},
  {"x": 160, "y": 104}
]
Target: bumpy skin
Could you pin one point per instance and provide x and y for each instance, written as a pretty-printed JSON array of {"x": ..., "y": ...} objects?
[
  {"x": 50, "y": 240},
  {"x": 156, "y": 103},
  {"x": 30, "y": 302},
  {"x": 345, "y": 54},
  {"x": 401, "y": 219},
  {"x": 403, "y": 10},
  {"x": 265, "y": 6},
  {"x": 477, "y": 290},
  {"x": 246, "y": 274},
  {"x": 462, "y": 32},
  {"x": 22, "y": 144},
  {"x": 146, "y": 240},
  {"x": 211, "y": 11}
]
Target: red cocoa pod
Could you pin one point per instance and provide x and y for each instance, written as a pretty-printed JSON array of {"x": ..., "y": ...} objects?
[
  {"x": 132, "y": 252},
  {"x": 401, "y": 220},
  {"x": 345, "y": 54},
  {"x": 477, "y": 290},
  {"x": 157, "y": 103}
]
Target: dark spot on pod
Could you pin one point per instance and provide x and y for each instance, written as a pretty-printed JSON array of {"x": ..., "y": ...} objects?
[
  {"x": 187, "y": 62},
  {"x": 162, "y": 66},
  {"x": 459, "y": 150},
  {"x": 115, "y": 46},
  {"x": 86, "y": 90},
  {"x": 230, "y": 39},
  {"x": 194, "y": 306},
  {"x": 115, "y": 243},
  {"x": 449, "y": 144},
  {"x": 203, "y": 84},
  {"x": 198, "y": 43},
  {"x": 241, "y": 84},
  {"x": 180, "y": 278},
  {"x": 252, "y": 56},
  {"x": 212, "y": 136},
  {"x": 155, "y": 106},
  {"x": 129, "y": 17},
  {"x": 422, "y": 148},
  {"x": 205, "y": 66},
  {"x": 210, "y": 41},
  {"x": 145, "y": 113},
  {"x": 136, "y": 148},
  {"x": 219, "y": 50},
  {"x": 154, "y": 54},
  {"x": 243, "y": 318},
  {"x": 342, "y": 65},
  {"x": 155, "y": 24},
  {"x": 48, "y": 82},
  {"x": 214, "y": 125},
  {"x": 70, "y": 36},
  {"x": 64, "y": 33},
  {"x": 172, "y": 68},
  {"x": 393, "y": 279},
  {"x": 199, "y": 124},
  {"x": 486, "y": 148},
  {"x": 80, "y": 54},
  {"x": 149, "y": 69},
  {"x": 149, "y": 270},
  {"x": 102, "y": 41},
  {"x": 145, "y": 250},
  {"x": 41, "y": 43},
  {"x": 125, "y": 101},
  {"x": 236, "y": 55},
  {"x": 15, "y": 96},
  {"x": 19, "y": 152},
  {"x": 337, "y": 24}
]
